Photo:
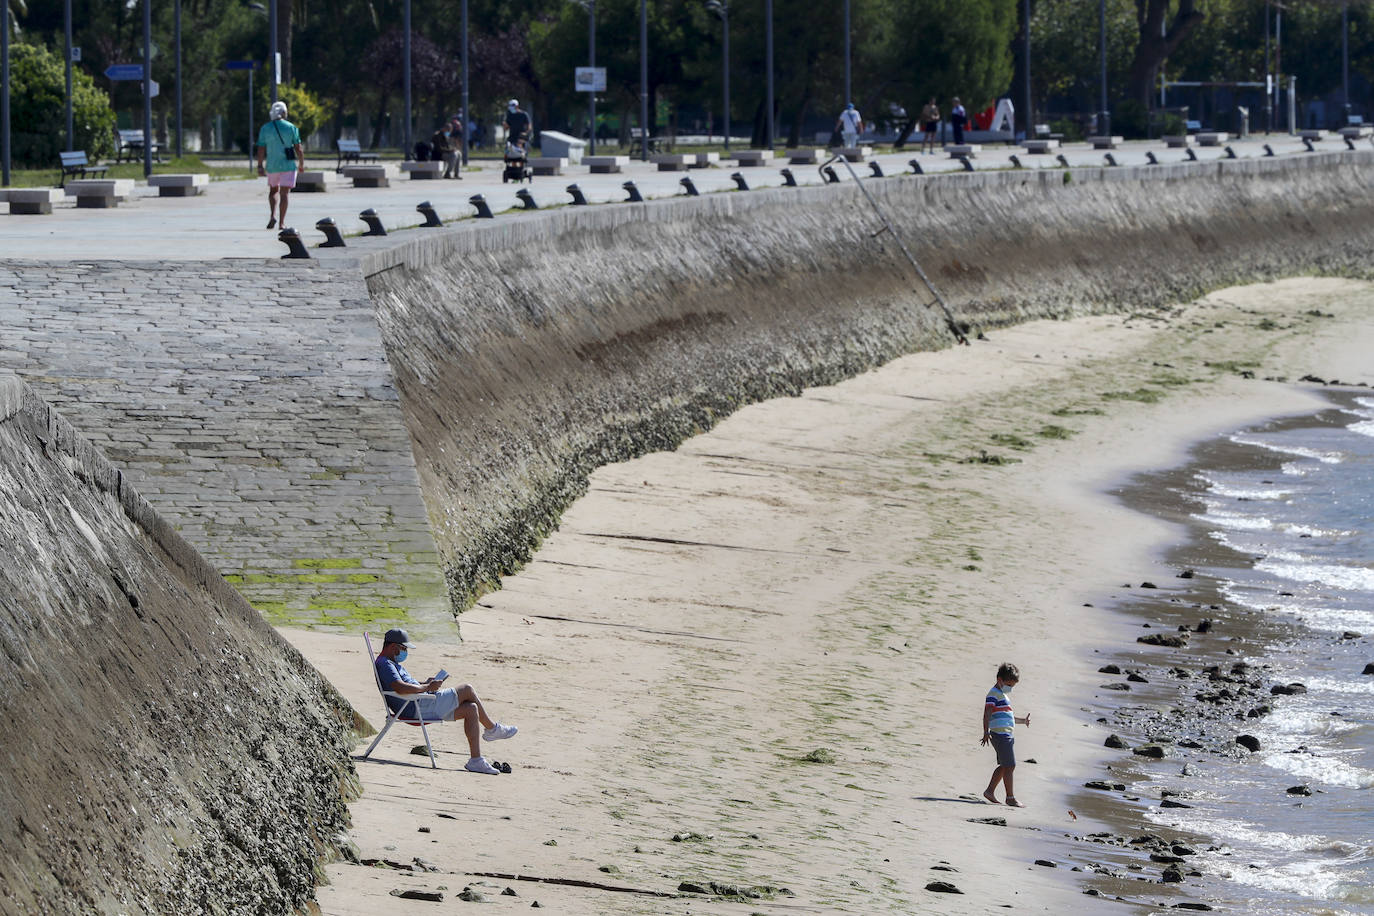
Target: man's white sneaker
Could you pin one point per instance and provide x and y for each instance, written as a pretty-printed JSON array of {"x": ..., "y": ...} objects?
[
  {"x": 480, "y": 765},
  {"x": 499, "y": 731}
]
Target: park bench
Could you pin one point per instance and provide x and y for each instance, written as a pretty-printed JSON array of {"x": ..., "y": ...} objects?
[
  {"x": 656, "y": 144},
  {"x": 423, "y": 171},
  {"x": 188, "y": 185},
  {"x": 1105, "y": 142},
  {"x": 100, "y": 193},
  {"x": 1192, "y": 127},
  {"x": 129, "y": 146},
  {"x": 367, "y": 176},
  {"x": 351, "y": 151},
  {"x": 548, "y": 165},
  {"x": 1040, "y": 145},
  {"x": 605, "y": 165},
  {"x": 76, "y": 165},
  {"x": 1210, "y": 137},
  {"x": 33, "y": 200},
  {"x": 1042, "y": 132},
  {"x": 748, "y": 158}
]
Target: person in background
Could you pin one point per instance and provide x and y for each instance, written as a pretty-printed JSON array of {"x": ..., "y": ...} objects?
[
  {"x": 517, "y": 122},
  {"x": 930, "y": 122},
  {"x": 958, "y": 117},
  {"x": 446, "y": 145},
  {"x": 280, "y": 159},
  {"x": 435, "y": 701},
  {"x": 850, "y": 125},
  {"x": 999, "y": 722}
]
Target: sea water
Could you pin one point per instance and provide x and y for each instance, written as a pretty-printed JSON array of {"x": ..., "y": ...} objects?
[{"x": 1292, "y": 528}]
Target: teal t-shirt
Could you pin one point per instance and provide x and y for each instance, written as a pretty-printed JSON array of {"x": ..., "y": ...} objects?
[{"x": 277, "y": 137}]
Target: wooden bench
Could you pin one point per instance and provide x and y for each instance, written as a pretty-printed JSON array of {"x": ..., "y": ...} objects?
[
  {"x": 656, "y": 144},
  {"x": 1209, "y": 137},
  {"x": 351, "y": 151},
  {"x": 1040, "y": 146},
  {"x": 963, "y": 150},
  {"x": 314, "y": 181},
  {"x": 605, "y": 165},
  {"x": 1105, "y": 142},
  {"x": 548, "y": 165},
  {"x": 129, "y": 146},
  {"x": 423, "y": 171},
  {"x": 672, "y": 162},
  {"x": 76, "y": 165},
  {"x": 100, "y": 193},
  {"x": 751, "y": 158},
  {"x": 188, "y": 185},
  {"x": 367, "y": 176},
  {"x": 1175, "y": 141},
  {"x": 33, "y": 201},
  {"x": 807, "y": 156}
]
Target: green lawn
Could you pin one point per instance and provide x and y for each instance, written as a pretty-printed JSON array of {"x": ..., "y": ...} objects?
[{"x": 40, "y": 178}]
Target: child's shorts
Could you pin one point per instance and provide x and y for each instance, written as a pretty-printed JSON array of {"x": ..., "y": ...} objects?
[{"x": 1006, "y": 757}]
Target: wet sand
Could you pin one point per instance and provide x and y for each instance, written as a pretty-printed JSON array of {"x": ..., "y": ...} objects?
[{"x": 837, "y": 572}]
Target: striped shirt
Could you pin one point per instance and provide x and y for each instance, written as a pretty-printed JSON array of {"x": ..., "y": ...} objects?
[{"x": 1002, "y": 721}]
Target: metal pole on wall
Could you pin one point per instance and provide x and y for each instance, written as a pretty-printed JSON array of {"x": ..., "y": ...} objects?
[
  {"x": 768, "y": 63},
  {"x": 406, "y": 54},
  {"x": 848, "y": 84},
  {"x": 67, "y": 44},
  {"x": 177, "y": 27},
  {"x": 5, "y": 95},
  {"x": 725, "y": 18},
  {"x": 1025, "y": 68},
  {"x": 273, "y": 56},
  {"x": 1102, "y": 37},
  {"x": 147, "y": 88},
  {"x": 1292, "y": 104},
  {"x": 1268, "y": 76},
  {"x": 251, "y": 139},
  {"x": 1345, "y": 60},
  {"x": 466, "y": 118},
  {"x": 591, "y": 96},
  {"x": 644, "y": 78}
]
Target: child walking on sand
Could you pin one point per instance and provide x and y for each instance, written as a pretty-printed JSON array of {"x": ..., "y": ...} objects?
[{"x": 998, "y": 725}]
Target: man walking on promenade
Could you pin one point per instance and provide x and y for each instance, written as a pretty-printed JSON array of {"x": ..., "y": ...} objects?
[
  {"x": 281, "y": 159},
  {"x": 930, "y": 121},
  {"x": 517, "y": 122},
  {"x": 957, "y": 119},
  {"x": 850, "y": 124}
]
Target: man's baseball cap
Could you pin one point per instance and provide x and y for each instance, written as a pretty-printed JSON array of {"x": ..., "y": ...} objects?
[
  {"x": 512, "y": 104},
  {"x": 400, "y": 636}
]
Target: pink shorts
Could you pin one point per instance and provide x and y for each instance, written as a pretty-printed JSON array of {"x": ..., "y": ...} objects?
[{"x": 281, "y": 179}]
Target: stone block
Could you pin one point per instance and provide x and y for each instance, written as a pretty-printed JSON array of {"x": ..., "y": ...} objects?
[
  {"x": 1210, "y": 137},
  {"x": 1175, "y": 141},
  {"x": 671, "y": 162},
  {"x": 703, "y": 160},
  {"x": 422, "y": 171},
  {"x": 605, "y": 165},
  {"x": 31, "y": 201},
  {"x": 749, "y": 158},
  {"x": 556, "y": 145},
  {"x": 315, "y": 181},
  {"x": 1106, "y": 142},
  {"x": 548, "y": 165},
  {"x": 855, "y": 153},
  {"x": 367, "y": 176},
  {"x": 1040, "y": 146},
  {"x": 1356, "y": 131},
  {"x": 188, "y": 185},
  {"x": 99, "y": 193},
  {"x": 963, "y": 150},
  {"x": 1313, "y": 135},
  {"x": 806, "y": 156}
]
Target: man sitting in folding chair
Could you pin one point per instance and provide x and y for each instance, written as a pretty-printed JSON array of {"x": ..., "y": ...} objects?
[{"x": 433, "y": 702}]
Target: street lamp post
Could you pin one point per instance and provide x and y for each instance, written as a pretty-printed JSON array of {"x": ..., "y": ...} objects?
[
  {"x": 722, "y": 9},
  {"x": 1025, "y": 68},
  {"x": 5, "y": 95},
  {"x": 1106, "y": 116},
  {"x": 466, "y": 139},
  {"x": 177, "y": 26},
  {"x": 644, "y": 79},
  {"x": 1345, "y": 60},
  {"x": 591, "y": 62},
  {"x": 406, "y": 83},
  {"x": 848, "y": 85},
  {"x": 67, "y": 44},
  {"x": 147, "y": 88},
  {"x": 768, "y": 63},
  {"x": 273, "y": 55}
]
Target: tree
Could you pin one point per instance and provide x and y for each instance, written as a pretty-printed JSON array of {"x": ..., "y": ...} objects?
[
  {"x": 1158, "y": 38},
  {"x": 37, "y": 90}
]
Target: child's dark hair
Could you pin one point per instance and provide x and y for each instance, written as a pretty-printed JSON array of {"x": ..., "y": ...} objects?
[{"x": 1007, "y": 672}]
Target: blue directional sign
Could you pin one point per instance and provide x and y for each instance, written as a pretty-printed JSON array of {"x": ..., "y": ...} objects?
[
  {"x": 241, "y": 65},
  {"x": 124, "y": 72}
]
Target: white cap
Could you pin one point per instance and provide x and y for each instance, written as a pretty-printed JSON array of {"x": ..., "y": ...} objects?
[
  {"x": 278, "y": 110},
  {"x": 512, "y": 104}
]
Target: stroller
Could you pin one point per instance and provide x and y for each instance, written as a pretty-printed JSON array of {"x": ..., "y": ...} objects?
[{"x": 517, "y": 163}]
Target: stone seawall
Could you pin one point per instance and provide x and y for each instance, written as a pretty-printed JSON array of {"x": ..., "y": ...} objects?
[
  {"x": 162, "y": 749},
  {"x": 531, "y": 350}
]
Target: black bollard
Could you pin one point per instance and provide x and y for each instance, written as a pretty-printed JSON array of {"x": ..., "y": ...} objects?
[
  {"x": 689, "y": 186},
  {"x": 432, "y": 219},
  {"x": 1349, "y": 144},
  {"x": 1268, "y": 150},
  {"x": 578, "y": 198},
  {"x": 1308, "y": 143},
  {"x": 788, "y": 179},
  {"x": 916, "y": 167},
  {"x": 968, "y": 166},
  {"x": 830, "y": 176},
  {"x": 480, "y": 202},
  {"x": 1230, "y": 153},
  {"x": 635, "y": 197},
  {"x": 332, "y": 238},
  {"x": 292, "y": 239},
  {"x": 527, "y": 199},
  {"x": 876, "y": 168},
  {"x": 1015, "y": 162},
  {"x": 1151, "y": 158},
  {"x": 1111, "y": 160},
  {"x": 374, "y": 222},
  {"x": 740, "y": 183},
  {"x": 1190, "y": 155},
  {"x": 1062, "y": 160}
]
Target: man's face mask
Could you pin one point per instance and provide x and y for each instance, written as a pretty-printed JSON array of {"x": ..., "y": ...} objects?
[{"x": 401, "y": 656}]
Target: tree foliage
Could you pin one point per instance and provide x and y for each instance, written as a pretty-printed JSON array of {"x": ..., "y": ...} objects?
[{"x": 38, "y": 112}]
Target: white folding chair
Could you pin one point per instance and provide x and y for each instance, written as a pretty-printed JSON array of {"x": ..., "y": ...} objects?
[{"x": 392, "y": 717}]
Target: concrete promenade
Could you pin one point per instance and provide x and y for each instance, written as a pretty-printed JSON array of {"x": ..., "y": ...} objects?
[{"x": 228, "y": 220}]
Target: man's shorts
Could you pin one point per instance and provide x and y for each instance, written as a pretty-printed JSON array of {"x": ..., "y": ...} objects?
[
  {"x": 281, "y": 179},
  {"x": 1002, "y": 744},
  {"x": 434, "y": 706}
]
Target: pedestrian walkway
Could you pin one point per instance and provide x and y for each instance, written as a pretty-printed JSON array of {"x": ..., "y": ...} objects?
[{"x": 228, "y": 220}]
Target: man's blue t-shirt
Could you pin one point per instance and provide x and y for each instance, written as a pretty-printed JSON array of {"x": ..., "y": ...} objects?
[
  {"x": 278, "y": 137},
  {"x": 389, "y": 672}
]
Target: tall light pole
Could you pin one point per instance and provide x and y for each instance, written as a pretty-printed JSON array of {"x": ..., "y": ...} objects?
[
  {"x": 1345, "y": 60},
  {"x": 722, "y": 9},
  {"x": 1025, "y": 69},
  {"x": 67, "y": 44},
  {"x": 1106, "y": 118},
  {"x": 273, "y": 55},
  {"x": 406, "y": 82},
  {"x": 1268, "y": 76},
  {"x": 768, "y": 62},
  {"x": 466, "y": 118},
  {"x": 147, "y": 88},
  {"x": 5, "y": 94},
  {"x": 644, "y": 79},
  {"x": 590, "y": 6},
  {"x": 177, "y": 27},
  {"x": 848, "y": 84}
]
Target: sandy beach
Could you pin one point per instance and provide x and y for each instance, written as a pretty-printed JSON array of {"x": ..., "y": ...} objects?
[{"x": 759, "y": 660}]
